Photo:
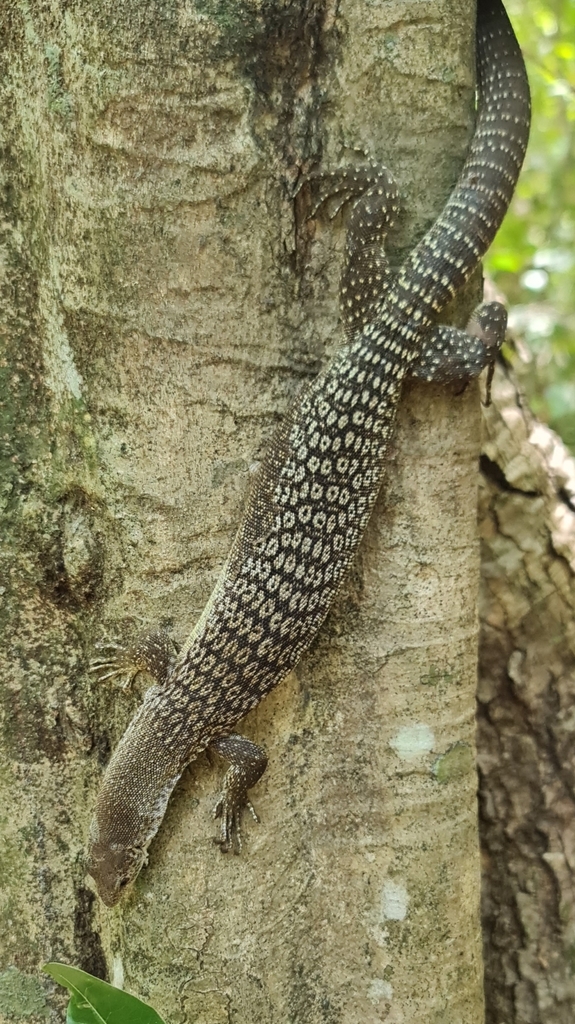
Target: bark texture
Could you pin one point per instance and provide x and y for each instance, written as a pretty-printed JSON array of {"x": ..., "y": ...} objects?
[
  {"x": 162, "y": 304},
  {"x": 526, "y": 736}
]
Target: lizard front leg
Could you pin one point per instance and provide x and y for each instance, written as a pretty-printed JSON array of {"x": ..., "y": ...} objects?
[
  {"x": 153, "y": 652},
  {"x": 452, "y": 356},
  {"x": 248, "y": 762},
  {"x": 366, "y": 275}
]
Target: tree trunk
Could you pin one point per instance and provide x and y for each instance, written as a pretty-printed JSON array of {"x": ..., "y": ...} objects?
[
  {"x": 526, "y": 725},
  {"x": 163, "y": 304}
]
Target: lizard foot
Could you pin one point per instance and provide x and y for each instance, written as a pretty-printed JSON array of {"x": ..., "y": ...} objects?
[
  {"x": 116, "y": 662},
  {"x": 247, "y": 765},
  {"x": 230, "y": 809},
  {"x": 451, "y": 356},
  {"x": 348, "y": 183},
  {"x": 151, "y": 652}
]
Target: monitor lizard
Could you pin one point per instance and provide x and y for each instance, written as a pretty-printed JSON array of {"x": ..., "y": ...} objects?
[{"x": 315, "y": 488}]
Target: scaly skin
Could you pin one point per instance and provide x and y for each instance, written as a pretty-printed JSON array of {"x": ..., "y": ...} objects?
[{"x": 316, "y": 488}]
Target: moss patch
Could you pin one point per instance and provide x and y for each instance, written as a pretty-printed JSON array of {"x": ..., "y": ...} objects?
[
  {"x": 21, "y": 995},
  {"x": 436, "y": 676},
  {"x": 454, "y": 764}
]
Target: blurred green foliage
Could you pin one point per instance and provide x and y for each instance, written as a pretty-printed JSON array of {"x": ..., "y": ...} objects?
[{"x": 533, "y": 258}]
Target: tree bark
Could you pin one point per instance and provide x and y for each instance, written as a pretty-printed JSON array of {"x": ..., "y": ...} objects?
[
  {"x": 163, "y": 304},
  {"x": 525, "y": 717}
]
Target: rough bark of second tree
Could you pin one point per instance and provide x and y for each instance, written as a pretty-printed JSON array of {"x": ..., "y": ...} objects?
[{"x": 525, "y": 721}]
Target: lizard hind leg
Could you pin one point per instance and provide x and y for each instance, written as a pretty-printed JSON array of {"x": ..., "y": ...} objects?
[
  {"x": 452, "y": 356},
  {"x": 248, "y": 762},
  {"x": 347, "y": 183},
  {"x": 366, "y": 275},
  {"x": 152, "y": 652}
]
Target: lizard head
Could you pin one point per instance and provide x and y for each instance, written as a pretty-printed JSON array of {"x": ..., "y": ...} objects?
[
  {"x": 129, "y": 811},
  {"x": 112, "y": 865}
]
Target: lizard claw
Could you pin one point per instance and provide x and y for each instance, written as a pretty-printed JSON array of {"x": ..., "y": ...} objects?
[
  {"x": 247, "y": 765},
  {"x": 345, "y": 184},
  {"x": 151, "y": 652},
  {"x": 230, "y": 810},
  {"x": 116, "y": 665},
  {"x": 328, "y": 185}
]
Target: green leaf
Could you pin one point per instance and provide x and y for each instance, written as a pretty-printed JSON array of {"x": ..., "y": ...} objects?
[{"x": 95, "y": 1002}]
